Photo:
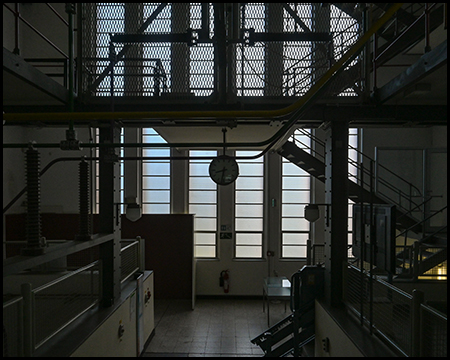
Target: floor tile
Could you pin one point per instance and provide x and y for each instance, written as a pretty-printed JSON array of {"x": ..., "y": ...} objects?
[{"x": 214, "y": 328}]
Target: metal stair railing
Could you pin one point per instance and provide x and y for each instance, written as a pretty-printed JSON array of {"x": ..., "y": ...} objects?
[
  {"x": 402, "y": 196},
  {"x": 412, "y": 255}
]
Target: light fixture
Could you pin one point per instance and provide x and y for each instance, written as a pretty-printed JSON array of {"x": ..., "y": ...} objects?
[
  {"x": 312, "y": 213},
  {"x": 133, "y": 211}
]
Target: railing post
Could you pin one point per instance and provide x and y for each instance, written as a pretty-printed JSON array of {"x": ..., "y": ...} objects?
[
  {"x": 28, "y": 325},
  {"x": 141, "y": 253},
  {"x": 416, "y": 254},
  {"x": 417, "y": 300}
]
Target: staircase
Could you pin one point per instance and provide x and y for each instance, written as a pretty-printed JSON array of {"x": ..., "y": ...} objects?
[
  {"x": 279, "y": 340},
  {"x": 427, "y": 252},
  {"x": 316, "y": 167},
  {"x": 289, "y": 335}
]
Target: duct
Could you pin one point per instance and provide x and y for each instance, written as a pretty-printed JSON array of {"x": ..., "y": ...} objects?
[{"x": 294, "y": 111}]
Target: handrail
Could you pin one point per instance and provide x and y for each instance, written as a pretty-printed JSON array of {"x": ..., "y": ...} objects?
[
  {"x": 18, "y": 16},
  {"x": 421, "y": 222},
  {"x": 418, "y": 206},
  {"x": 438, "y": 231},
  {"x": 401, "y": 193},
  {"x": 292, "y": 109}
]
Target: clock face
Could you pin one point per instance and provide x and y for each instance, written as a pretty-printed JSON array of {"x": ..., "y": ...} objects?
[{"x": 223, "y": 170}]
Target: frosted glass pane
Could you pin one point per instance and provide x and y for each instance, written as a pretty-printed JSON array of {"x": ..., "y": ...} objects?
[
  {"x": 288, "y": 224},
  {"x": 156, "y": 168},
  {"x": 249, "y": 211},
  {"x": 249, "y": 169},
  {"x": 153, "y": 139},
  {"x": 295, "y": 239},
  {"x": 249, "y": 183},
  {"x": 291, "y": 169},
  {"x": 294, "y": 251},
  {"x": 296, "y": 183},
  {"x": 353, "y": 141},
  {"x": 295, "y": 196},
  {"x": 249, "y": 224},
  {"x": 203, "y": 210},
  {"x": 202, "y": 197},
  {"x": 155, "y": 152},
  {"x": 199, "y": 169},
  {"x": 246, "y": 197},
  {"x": 203, "y": 153},
  {"x": 156, "y": 208},
  {"x": 156, "y": 196},
  {"x": 205, "y": 238},
  {"x": 158, "y": 182},
  {"x": 249, "y": 153},
  {"x": 204, "y": 224},
  {"x": 149, "y": 131},
  {"x": 201, "y": 183},
  {"x": 248, "y": 251},
  {"x": 205, "y": 251},
  {"x": 293, "y": 210},
  {"x": 248, "y": 239}
]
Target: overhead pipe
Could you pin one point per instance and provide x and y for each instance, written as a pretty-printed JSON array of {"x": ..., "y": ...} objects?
[
  {"x": 126, "y": 158},
  {"x": 294, "y": 110}
]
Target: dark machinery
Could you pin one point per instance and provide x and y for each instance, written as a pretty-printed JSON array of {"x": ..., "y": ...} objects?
[{"x": 296, "y": 330}]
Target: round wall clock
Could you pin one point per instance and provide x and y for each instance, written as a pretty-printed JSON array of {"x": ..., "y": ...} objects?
[{"x": 223, "y": 170}]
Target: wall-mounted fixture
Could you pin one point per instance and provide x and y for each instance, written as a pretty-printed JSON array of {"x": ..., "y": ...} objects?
[
  {"x": 133, "y": 211},
  {"x": 312, "y": 212}
]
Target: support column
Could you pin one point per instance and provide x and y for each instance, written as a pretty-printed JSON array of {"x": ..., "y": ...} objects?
[
  {"x": 109, "y": 215},
  {"x": 336, "y": 194}
]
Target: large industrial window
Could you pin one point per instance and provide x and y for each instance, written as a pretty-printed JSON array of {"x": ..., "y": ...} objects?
[
  {"x": 249, "y": 206},
  {"x": 203, "y": 203},
  {"x": 295, "y": 195},
  {"x": 155, "y": 175}
]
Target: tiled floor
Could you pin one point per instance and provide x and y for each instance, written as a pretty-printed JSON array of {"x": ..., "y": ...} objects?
[{"x": 214, "y": 328}]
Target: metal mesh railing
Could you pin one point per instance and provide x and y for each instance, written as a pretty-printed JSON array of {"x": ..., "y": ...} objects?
[
  {"x": 384, "y": 308},
  {"x": 57, "y": 303},
  {"x": 258, "y": 65},
  {"x": 434, "y": 333},
  {"x": 13, "y": 327},
  {"x": 395, "y": 316},
  {"x": 129, "y": 258}
]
